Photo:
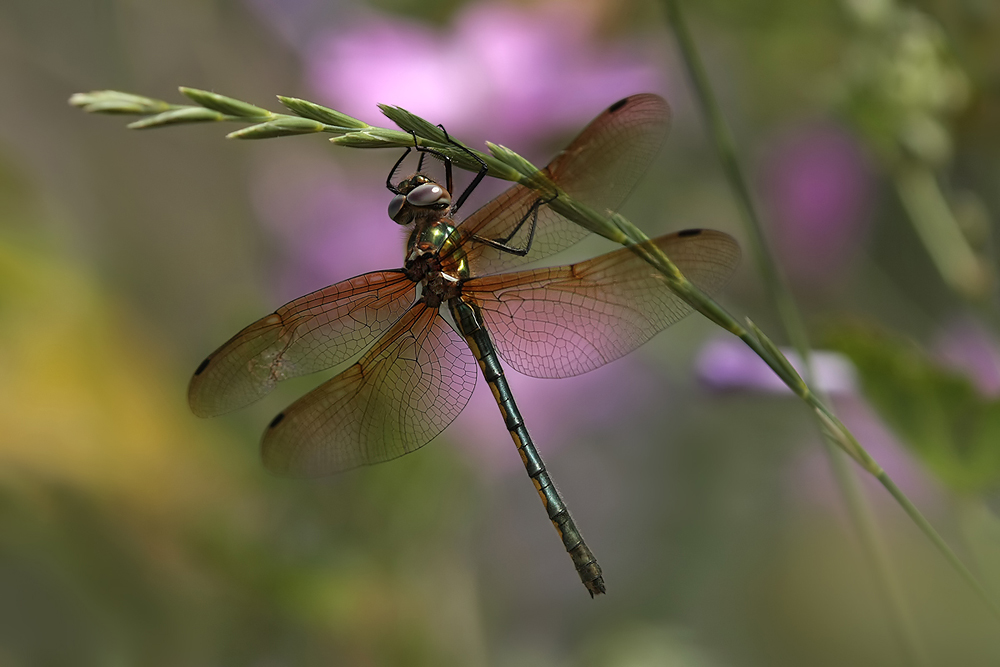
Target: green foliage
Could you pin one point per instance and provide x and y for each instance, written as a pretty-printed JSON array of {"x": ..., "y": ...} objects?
[
  {"x": 512, "y": 159},
  {"x": 225, "y": 105},
  {"x": 320, "y": 113},
  {"x": 936, "y": 411},
  {"x": 280, "y": 127},
  {"x": 310, "y": 118},
  {"x": 412, "y": 123},
  {"x": 179, "y": 116},
  {"x": 212, "y": 107},
  {"x": 116, "y": 102},
  {"x": 783, "y": 367},
  {"x": 373, "y": 138},
  {"x": 900, "y": 83}
]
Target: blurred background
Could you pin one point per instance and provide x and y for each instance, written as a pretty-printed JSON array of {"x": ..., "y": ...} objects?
[{"x": 132, "y": 532}]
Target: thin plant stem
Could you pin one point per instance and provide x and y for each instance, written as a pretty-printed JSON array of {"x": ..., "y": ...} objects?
[
  {"x": 935, "y": 224},
  {"x": 777, "y": 286},
  {"x": 725, "y": 146},
  {"x": 874, "y": 548},
  {"x": 929, "y": 531}
]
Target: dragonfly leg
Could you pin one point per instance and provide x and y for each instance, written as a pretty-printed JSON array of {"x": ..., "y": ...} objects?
[
  {"x": 469, "y": 320},
  {"x": 483, "y": 170},
  {"x": 388, "y": 179},
  {"x": 447, "y": 167},
  {"x": 449, "y": 181},
  {"x": 503, "y": 243},
  {"x": 423, "y": 150}
]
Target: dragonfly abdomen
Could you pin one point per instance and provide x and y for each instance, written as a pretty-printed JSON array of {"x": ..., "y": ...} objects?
[{"x": 469, "y": 320}]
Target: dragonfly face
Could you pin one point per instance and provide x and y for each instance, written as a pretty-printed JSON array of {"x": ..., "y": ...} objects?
[
  {"x": 419, "y": 372},
  {"x": 417, "y": 198}
]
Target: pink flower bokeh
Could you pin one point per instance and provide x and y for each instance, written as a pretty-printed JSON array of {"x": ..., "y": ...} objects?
[
  {"x": 330, "y": 224},
  {"x": 511, "y": 74},
  {"x": 818, "y": 189},
  {"x": 726, "y": 364},
  {"x": 967, "y": 347}
]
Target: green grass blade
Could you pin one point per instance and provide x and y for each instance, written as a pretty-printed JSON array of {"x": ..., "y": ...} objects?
[
  {"x": 321, "y": 113},
  {"x": 225, "y": 105}
]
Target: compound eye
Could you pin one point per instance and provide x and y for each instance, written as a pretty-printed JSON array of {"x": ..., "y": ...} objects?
[
  {"x": 428, "y": 194},
  {"x": 395, "y": 206}
]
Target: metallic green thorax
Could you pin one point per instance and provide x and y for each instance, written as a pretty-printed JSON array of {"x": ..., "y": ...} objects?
[
  {"x": 470, "y": 324},
  {"x": 431, "y": 237}
]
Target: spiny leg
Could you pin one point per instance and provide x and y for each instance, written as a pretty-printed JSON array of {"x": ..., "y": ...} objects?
[
  {"x": 449, "y": 180},
  {"x": 502, "y": 243},
  {"x": 388, "y": 179},
  {"x": 483, "y": 170},
  {"x": 423, "y": 150}
]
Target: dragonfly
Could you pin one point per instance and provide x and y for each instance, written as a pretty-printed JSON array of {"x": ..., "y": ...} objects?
[{"x": 455, "y": 304}]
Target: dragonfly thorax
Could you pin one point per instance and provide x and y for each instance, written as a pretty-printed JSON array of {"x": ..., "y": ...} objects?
[
  {"x": 424, "y": 264},
  {"x": 440, "y": 287}
]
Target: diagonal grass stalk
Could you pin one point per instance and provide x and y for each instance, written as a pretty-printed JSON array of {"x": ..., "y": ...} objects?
[
  {"x": 777, "y": 287},
  {"x": 935, "y": 224},
  {"x": 508, "y": 165}
]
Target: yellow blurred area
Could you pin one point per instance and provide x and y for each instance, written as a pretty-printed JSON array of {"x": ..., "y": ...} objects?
[
  {"x": 106, "y": 475},
  {"x": 84, "y": 398}
]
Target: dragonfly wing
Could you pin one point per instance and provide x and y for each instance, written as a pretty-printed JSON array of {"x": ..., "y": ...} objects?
[
  {"x": 312, "y": 333},
  {"x": 600, "y": 168},
  {"x": 402, "y": 393},
  {"x": 567, "y": 320}
]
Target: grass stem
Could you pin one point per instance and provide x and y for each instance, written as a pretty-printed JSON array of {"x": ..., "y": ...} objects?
[{"x": 777, "y": 286}]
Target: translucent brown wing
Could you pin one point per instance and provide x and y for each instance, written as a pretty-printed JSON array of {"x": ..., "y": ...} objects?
[
  {"x": 600, "y": 168},
  {"x": 402, "y": 393},
  {"x": 312, "y": 333},
  {"x": 567, "y": 320}
]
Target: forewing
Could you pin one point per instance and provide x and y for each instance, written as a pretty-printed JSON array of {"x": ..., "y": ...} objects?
[
  {"x": 567, "y": 320},
  {"x": 312, "y": 333},
  {"x": 404, "y": 391},
  {"x": 600, "y": 168}
]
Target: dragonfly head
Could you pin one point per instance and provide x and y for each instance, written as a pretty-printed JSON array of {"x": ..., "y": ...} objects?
[{"x": 418, "y": 195}]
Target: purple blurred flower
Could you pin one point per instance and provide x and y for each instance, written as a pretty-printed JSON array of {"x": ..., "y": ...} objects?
[
  {"x": 513, "y": 74},
  {"x": 726, "y": 364},
  {"x": 968, "y": 348},
  {"x": 331, "y": 225},
  {"x": 817, "y": 186}
]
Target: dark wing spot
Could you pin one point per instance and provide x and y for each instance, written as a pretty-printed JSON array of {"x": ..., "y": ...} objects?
[
  {"x": 202, "y": 366},
  {"x": 689, "y": 232},
  {"x": 276, "y": 420},
  {"x": 617, "y": 105}
]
